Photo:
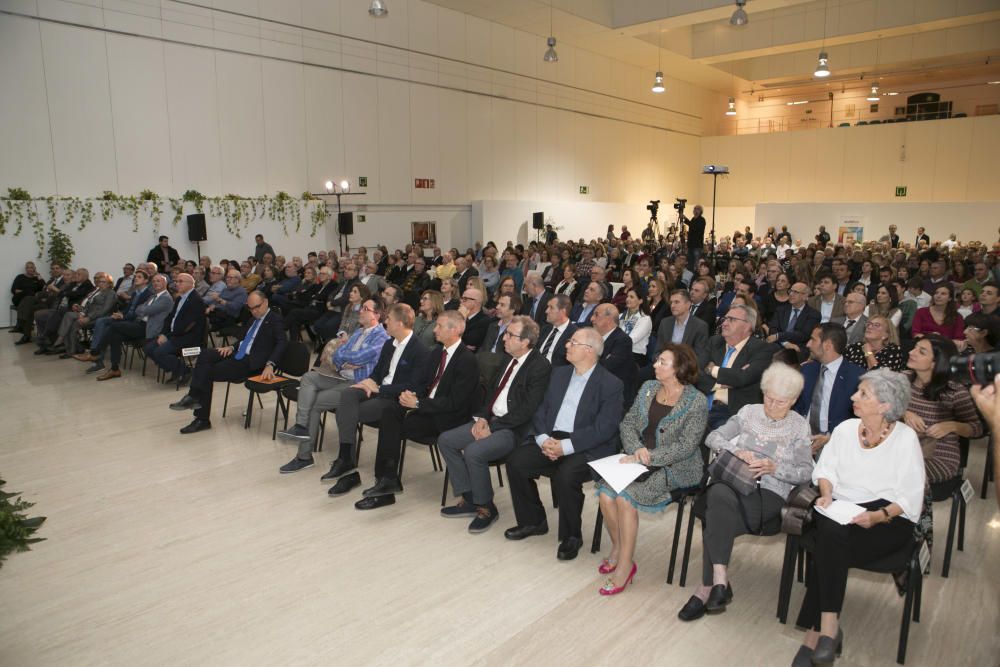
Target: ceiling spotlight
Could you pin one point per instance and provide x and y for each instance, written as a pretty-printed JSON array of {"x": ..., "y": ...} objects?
[
  {"x": 550, "y": 54},
  {"x": 345, "y": 186},
  {"x": 329, "y": 186},
  {"x": 822, "y": 68},
  {"x": 739, "y": 16},
  {"x": 731, "y": 111},
  {"x": 378, "y": 9},
  {"x": 658, "y": 85},
  {"x": 873, "y": 95}
]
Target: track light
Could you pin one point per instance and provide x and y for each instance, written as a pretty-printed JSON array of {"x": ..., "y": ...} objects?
[
  {"x": 378, "y": 9},
  {"x": 739, "y": 16},
  {"x": 731, "y": 111},
  {"x": 550, "y": 54},
  {"x": 822, "y": 68},
  {"x": 658, "y": 84},
  {"x": 345, "y": 186},
  {"x": 329, "y": 186},
  {"x": 873, "y": 95}
]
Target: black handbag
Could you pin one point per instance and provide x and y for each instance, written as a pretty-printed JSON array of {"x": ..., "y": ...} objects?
[
  {"x": 797, "y": 514},
  {"x": 729, "y": 468}
]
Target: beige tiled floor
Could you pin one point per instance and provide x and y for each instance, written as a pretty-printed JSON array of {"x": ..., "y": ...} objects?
[{"x": 171, "y": 550}]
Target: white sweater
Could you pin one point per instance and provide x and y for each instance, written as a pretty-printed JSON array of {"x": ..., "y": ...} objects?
[{"x": 893, "y": 471}]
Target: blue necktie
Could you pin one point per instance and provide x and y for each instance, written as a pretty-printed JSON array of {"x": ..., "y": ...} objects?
[
  {"x": 247, "y": 340},
  {"x": 729, "y": 352}
]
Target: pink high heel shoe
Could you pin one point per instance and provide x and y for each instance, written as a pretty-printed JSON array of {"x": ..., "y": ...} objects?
[
  {"x": 607, "y": 566},
  {"x": 610, "y": 589}
]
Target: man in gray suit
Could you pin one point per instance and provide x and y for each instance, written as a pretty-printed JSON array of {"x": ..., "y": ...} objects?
[
  {"x": 680, "y": 327},
  {"x": 148, "y": 322},
  {"x": 855, "y": 320}
]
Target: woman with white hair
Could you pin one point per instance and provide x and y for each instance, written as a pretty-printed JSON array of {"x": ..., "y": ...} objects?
[
  {"x": 773, "y": 440},
  {"x": 874, "y": 461}
]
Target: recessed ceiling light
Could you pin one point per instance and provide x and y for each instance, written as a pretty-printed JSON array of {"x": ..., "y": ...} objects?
[
  {"x": 993, "y": 83},
  {"x": 792, "y": 104},
  {"x": 892, "y": 94}
]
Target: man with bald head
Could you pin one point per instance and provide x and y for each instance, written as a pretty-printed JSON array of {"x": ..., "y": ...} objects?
[
  {"x": 261, "y": 346},
  {"x": 142, "y": 323},
  {"x": 793, "y": 321},
  {"x": 617, "y": 354},
  {"x": 183, "y": 327}
]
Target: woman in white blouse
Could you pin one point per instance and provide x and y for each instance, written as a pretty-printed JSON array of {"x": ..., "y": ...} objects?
[
  {"x": 635, "y": 321},
  {"x": 875, "y": 462}
]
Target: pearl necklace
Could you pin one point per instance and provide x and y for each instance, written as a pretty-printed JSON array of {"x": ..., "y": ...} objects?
[{"x": 881, "y": 437}]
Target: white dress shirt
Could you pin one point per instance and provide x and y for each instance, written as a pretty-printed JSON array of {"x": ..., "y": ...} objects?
[
  {"x": 400, "y": 345},
  {"x": 450, "y": 353},
  {"x": 500, "y": 405}
]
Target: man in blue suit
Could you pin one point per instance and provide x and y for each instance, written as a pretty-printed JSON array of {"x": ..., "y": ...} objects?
[
  {"x": 584, "y": 311},
  {"x": 576, "y": 423},
  {"x": 830, "y": 381}
]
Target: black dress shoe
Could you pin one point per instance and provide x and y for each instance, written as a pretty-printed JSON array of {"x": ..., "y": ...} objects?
[
  {"x": 521, "y": 532},
  {"x": 694, "y": 609},
  {"x": 374, "y": 502},
  {"x": 345, "y": 484},
  {"x": 58, "y": 349},
  {"x": 23, "y": 340},
  {"x": 340, "y": 467},
  {"x": 184, "y": 378},
  {"x": 385, "y": 486},
  {"x": 188, "y": 402},
  {"x": 718, "y": 598},
  {"x": 197, "y": 425},
  {"x": 828, "y": 649},
  {"x": 569, "y": 548}
]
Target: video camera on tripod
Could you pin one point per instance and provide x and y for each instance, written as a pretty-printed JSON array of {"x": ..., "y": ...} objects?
[{"x": 653, "y": 207}]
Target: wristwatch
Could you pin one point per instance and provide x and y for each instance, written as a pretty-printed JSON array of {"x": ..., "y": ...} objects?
[{"x": 417, "y": 406}]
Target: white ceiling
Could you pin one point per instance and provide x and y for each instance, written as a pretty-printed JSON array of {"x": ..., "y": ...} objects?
[{"x": 926, "y": 41}]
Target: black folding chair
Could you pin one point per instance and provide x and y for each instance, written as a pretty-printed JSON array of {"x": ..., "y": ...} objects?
[{"x": 295, "y": 362}]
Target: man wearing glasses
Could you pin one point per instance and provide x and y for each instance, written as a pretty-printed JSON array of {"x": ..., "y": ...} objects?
[
  {"x": 793, "y": 322},
  {"x": 503, "y": 421},
  {"x": 736, "y": 362},
  {"x": 855, "y": 319},
  {"x": 260, "y": 348},
  {"x": 476, "y": 321},
  {"x": 577, "y": 422}
]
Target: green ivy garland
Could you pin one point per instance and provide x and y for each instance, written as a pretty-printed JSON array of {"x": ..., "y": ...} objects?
[{"x": 238, "y": 212}]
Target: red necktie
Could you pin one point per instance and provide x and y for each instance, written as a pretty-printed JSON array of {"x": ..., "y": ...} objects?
[
  {"x": 440, "y": 371},
  {"x": 503, "y": 383}
]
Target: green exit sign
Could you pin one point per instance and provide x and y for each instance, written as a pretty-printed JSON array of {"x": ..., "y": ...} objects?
[
  {"x": 900, "y": 190},
  {"x": 584, "y": 190},
  {"x": 362, "y": 181}
]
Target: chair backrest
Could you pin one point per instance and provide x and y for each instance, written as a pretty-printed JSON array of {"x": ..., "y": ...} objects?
[{"x": 295, "y": 360}]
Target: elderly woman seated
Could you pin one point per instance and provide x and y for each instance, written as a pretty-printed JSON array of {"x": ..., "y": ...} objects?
[
  {"x": 773, "y": 440},
  {"x": 875, "y": 462},
  {"x": 663, "y": 430}
]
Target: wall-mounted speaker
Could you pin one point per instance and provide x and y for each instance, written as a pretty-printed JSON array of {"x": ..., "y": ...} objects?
[
  {"x": 196, "y": 228},
  {"x": 345, "y": 223},
  {"x": 538, "y": 220}
]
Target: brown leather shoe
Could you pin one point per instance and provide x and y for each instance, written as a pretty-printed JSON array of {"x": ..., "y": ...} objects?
[
  {"x": 109, "y": 374},
  {"x": 85, "y": 356}
]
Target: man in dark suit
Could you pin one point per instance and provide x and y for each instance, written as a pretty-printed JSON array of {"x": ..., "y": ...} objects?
[
  {"x": 702, "y": 307},
  {"x": 576, "y": 423},
  {"x": 793, "y": 322},
  {"x": 184, "y": 327},
  {"x": 164, "y": 255},
  {"x": 617, "y": 355},
  {"x": 326, "y": 325},
  {"x": 463, "y": 272},
  {"x": 443, "y": 400},
  {"x": 399, "y": 368},
  {"x": 511, "y": 399},
  {"x": 310, "y": 312},
  {"x": 476, "y": 321},
  {"x": 583, "y": 311},
  {"x": 557, "y": 331},
  {"x": 493, "y": 355},
  {"x": 260, "y": 349},
  {"x": 736, "y": 360},
  {"x": 830, "y": 381},
  {"x": 921, "y": 237},
  {"x": 681, "y": 327},
  {"x": 538, "y": 299}
]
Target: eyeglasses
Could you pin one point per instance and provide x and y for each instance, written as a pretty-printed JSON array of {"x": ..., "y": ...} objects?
[
  {"x": 511, "y": 334},
  {"x": 469, "y": 298},
  {"x": 774, "y": 400},
  {"x": 255, "y": 307},
  {"x": 730, "y": 318},
  {"x": 576, "y": 343},
  {"x": 797, "y": 291},
  {"x": 873, "y": 325},
  {"x": 660, "y": 361},
  {"x": 368, "y": 309}
]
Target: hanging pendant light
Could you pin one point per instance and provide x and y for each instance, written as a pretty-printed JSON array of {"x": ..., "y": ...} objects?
[
  {"x": 873, "y": 96},
  {"x": 550, "y": 54},
  {"x": 822, "y": 69},
  {"x": 731, "y": 111},
  {"x": 739, "y": 16},
  {"x": 378, "y": 9},
  {"x": 658, "y": 79}
]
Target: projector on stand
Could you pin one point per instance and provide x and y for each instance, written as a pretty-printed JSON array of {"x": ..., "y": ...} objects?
[{"x": 714, "y": 169}]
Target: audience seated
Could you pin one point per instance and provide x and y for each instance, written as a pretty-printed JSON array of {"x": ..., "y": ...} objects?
[
  {"x": 636, "y": 323},
  {"x": 558, "y": 330},
  {"x": 497, "y": 427},
  {"x": 493, "y": 355},
  {"x": 878, "y": 347},
  {"x": 663, "y": 431},
  {"x": 226, "y": 307},
  {"x": 873, "y": 461},
  {"x": 476, "y": 321},
  {"x": 617, "y": 354},
  {"x": 577, "y": 422},
  {"x": 681, "y": 328},
  {"x": 147, "y": 320},
  {"x": 582, "y": 312},
  {"x": 854, "y": 319},
  {"x": 94, "y": 306},
  {"x": 794, "y": 321},
  {"x": 183, "y": 327},
  {"x": 29, "y": 304},
  {"x": 430, "y": 307}
]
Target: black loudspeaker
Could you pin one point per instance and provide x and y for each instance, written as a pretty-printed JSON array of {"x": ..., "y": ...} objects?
[
  {"x": 538, "y": 220},
  {"x": 345, "y": 223},
  {"x": 196, "y": 227}
]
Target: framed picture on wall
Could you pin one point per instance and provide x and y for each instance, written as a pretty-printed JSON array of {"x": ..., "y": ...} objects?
[
  {"x": 850, "y": 234},
  {"x": 424, "y": 233}
]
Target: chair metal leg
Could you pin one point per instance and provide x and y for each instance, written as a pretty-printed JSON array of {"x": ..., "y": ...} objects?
[
  {"x": 246, "y": 420},
  {"x": 280, "y": 405},
  {"x": 402, "y": 457},
  {"x": 687, "y": 546},
  {"x": 961, "y": 522},
  {"x": 595, "y": 543},
  {"x": 444, "y": 488},
  {"x": 499, "y": 475},
  {"x": 800, "y": 564},
  {"x": 918, "y": 591},
  {"x": 904, "y": 628},
  {"x": 950, "y": 539},
  {"x": 225, "y": 403},
  {"x": 318, "y": 446},
  {"x": 434, "y": 461},
  {"x": 787, "y": 569},
  {"x": 677, "y": 536}
]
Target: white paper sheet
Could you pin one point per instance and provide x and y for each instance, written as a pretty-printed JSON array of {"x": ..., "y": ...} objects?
[
  {"x": 841, "y": 511},
  {"x": 617, "y": 475}
]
